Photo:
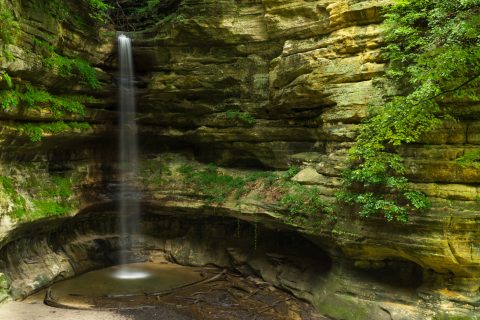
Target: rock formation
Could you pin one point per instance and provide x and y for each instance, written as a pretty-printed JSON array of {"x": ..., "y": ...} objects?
[{"x": 250, "y": 86}]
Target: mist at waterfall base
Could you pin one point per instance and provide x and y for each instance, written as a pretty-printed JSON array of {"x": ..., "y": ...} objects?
[{"x": 129, "y": 197}]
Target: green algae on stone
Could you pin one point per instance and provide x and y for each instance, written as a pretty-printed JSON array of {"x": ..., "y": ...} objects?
[
  {"x": 3, "y": 288},
  {"x": 36, "y": 131},
  {"x": 36, "y": 196}
]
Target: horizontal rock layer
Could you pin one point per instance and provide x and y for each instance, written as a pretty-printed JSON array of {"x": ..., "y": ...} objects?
[
  {"x": 284, "y": 258},
  {"x": 265, "y": 85}
]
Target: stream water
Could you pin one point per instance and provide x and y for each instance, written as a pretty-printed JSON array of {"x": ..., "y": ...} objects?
[{"x": 128, "y": 151}]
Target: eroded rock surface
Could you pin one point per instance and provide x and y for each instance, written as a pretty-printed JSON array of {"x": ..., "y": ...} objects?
[{"x": 265, "y": 85}]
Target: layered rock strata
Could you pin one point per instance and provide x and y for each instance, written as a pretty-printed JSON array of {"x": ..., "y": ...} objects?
[{"x": 267, "y": 85}]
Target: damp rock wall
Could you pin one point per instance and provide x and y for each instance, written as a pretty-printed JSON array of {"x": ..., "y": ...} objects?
[{"x": 255, "y": 86}]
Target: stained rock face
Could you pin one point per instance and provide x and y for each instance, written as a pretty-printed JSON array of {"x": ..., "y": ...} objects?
[
  {"x": 50, "y": 30},
  {"x": 304, "y": 70},
  {"x": 261, "y": 84},
  {"x": 307, "y": 72}
]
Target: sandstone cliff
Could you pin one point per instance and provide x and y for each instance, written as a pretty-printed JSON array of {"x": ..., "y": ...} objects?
[{"x": 257, "y": 86}]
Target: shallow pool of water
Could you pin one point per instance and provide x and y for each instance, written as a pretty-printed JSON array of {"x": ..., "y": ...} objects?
[
  {"x": 149, "y": 291},
  {"x": 126, "y": 280}
]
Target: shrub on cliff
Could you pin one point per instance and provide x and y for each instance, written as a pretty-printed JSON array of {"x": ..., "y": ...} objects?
[{"x": 433, "y": 48}]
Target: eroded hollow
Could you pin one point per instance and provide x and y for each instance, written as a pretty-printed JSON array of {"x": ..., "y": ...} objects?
[
  {"x": 44, "y": 253},
  {"x": 397, "y": 273}
]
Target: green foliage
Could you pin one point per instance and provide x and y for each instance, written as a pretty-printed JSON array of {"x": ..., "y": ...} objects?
[
  {"x": 67, "y": 67},
  {"x": 3, "y": 282},
  {"x": 51, "y": 197},
  {"x": 36, "y": 98},
  {"x": 18, "y": 201},
  {"x": 49, "y": 208},
  {"x": 303, "y": 203},
  {"x": 470, "y": 159},
  {"x": 58, "y": 9},
  {"x": 215, "y": 185},
  {"x": 243, "y": 117},
  {"x": 155, "y": 10},
  {"x": 62, "y": 187},
  {"x": 149, "y": 7},
  {"x": 155, "y": 173},
  {"x": 35, "y": 131},
  {"x": 291, "y": 172},
  {"x": 434, "y": 53},
  {"x": 9, "y": 30},
  {"x": 4, "y": 288},
  {"x": 99, "y": 11},
  {"x": 54, "y": 198},
  {"x": 4, "y": 76}
]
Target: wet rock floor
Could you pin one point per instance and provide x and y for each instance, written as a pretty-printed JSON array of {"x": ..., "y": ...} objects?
[
  {"x": 221, "y": 295},
  {"x": 229, "y": 298}
]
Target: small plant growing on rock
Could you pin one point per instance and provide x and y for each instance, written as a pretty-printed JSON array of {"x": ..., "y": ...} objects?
[
  {"x": 214, "y": 184},
  {"x": 51, "y": 197},
  {"x": 35, "y": 131},
  {"x": 470, "y": 159},
  {"x": 5, "y": 77},
  {"x": 9, "y": 27},
  {"x": 432, "y": 47},
  {"x": 303, "y": 203},
  {"x": 66, "y": 67},
  {"x": 9, "y": 30},
  {"x": 243, "y": 117}
]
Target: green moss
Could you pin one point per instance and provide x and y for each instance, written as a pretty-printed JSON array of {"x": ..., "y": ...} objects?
[
  {"x": 59, "y": 187},
  {"x": 51, "y": 196},
  {"x": 303, "y": 203},
  {"x": 241, "y": 116},
  {"x": 58, "y": 9},
  {"x": 444, "y": 316},
  {"x": 155, "y": 173},
  {"x": 49, "y": 208},
  {"x": 4, "y": 285},
  {"x": 52, "y": 199},
  {"x": 3, "y": 281},
  {"x": 18, "y": 209},
  {"x": 5, "y": 77},
  {"x": 470, "y": 159},
  {"x": 35, "y": 131},
  {"x": 9, "y": 30},
  {"x": 214, "y": 185},
  {"x": 31, "y": 97}
]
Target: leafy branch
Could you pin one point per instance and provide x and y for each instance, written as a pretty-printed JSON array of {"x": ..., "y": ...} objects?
[{"x": 434, "y": 53}]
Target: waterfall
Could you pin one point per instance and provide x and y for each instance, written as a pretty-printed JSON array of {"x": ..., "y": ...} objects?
[{"x": 128, "y": 149}]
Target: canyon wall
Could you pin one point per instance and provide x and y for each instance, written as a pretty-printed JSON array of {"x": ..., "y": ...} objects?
[{"x": 256, "y": 86}]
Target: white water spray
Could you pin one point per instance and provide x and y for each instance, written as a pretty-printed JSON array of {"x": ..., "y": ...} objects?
[{"x": 129, "y": 197}]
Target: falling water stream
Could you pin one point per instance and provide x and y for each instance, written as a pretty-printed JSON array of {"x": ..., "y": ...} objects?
[{"x": 128, "y": 149}]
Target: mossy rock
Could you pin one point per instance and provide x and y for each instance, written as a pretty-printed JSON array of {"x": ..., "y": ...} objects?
[{"x": 3, "y": 288}]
